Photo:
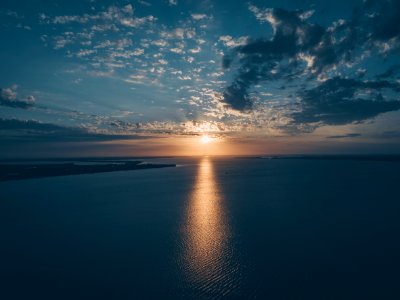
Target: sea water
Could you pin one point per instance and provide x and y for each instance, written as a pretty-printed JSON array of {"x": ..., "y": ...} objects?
[{"x": 211, "y": 228}]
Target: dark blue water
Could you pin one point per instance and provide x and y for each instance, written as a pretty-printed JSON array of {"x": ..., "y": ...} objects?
[{"x": 208, "y": 229}]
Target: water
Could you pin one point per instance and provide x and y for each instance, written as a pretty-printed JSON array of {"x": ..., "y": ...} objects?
[{"x": 211, "y": 228}]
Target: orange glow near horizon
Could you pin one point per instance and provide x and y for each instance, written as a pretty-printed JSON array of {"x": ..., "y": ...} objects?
[
  {"x": 192, "y": 145},
  {"x": 196, "y": 145}
]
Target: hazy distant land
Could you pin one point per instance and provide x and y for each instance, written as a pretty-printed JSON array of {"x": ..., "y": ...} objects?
[
  {"x": 355, "y": 157},
  {"x": 37, "y": 170}
]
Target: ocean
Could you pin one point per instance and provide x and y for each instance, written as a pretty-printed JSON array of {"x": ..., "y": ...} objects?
[{"x": 211, "y": 228}]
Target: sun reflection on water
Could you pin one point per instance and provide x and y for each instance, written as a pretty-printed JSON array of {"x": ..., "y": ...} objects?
[{"x": 207, "y": 246}]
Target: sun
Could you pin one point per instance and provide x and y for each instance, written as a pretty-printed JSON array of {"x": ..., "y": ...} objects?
[{"x": 205, "y": 139}]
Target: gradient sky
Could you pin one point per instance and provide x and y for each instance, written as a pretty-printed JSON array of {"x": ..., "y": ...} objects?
[{"x": 149, "y": 77}]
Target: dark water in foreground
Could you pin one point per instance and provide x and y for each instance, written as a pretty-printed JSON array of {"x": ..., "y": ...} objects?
[{"x": 208, "y": 229}]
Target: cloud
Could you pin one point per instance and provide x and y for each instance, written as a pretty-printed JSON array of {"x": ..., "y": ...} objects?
[
  {"x": 144, "y": 3},
  {"x": 189, "y": 59},
  {"x": 12, "y": 14},
  {"x": 9, "y": 94},
  {"x": 8, "y": 97},
  {"x": 230, "y": 42},
  {"x": 322, "y": 61},
  {"x": 293, "y": 36},
  {"x": 349, "y": 135},
  {"x": 113, "y": 14},
  {"x": 195, "y": 50},
  {"x": 137, "y": 52},
  {"x": 162, "y": 62},
  {"x": 198, "y": 17},
  {"x": 339, "y": 101},
  {"x": 176, "y": 50},
  {"x": 31, "y": 130},
  {"x": 85, "y": 52},
  {"x": 177, "y": 33},
  {"x": 383, "y": 18},
  {"x": 173, "y": 2},
  {"x": 184, "y": 77},
  {"x": 299, "y": 45},
  {"x": 391, "y": 72},
  {"x": 159, "y": 43}
]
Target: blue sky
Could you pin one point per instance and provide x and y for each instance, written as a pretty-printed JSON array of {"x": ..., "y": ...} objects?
[{"x": 262, "y": 72}]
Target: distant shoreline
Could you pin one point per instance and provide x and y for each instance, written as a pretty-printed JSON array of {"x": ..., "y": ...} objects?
[
  {"x": 10, "y": 172},
  {"x": 82, "y": 159},
  {"x": 361, "y": 157}
]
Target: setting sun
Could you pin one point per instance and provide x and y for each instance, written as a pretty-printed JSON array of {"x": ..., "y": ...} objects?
[{"x": 205, "y": 139}]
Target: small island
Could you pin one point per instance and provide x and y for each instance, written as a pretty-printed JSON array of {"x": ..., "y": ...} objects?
[{"x": 38, "y": 170}]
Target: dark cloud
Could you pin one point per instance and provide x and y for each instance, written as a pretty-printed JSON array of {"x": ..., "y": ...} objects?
[
  {"x": 296, "y": 44},
  {"x": 8, "y": 97},
  {"x": 349, "y": 135},
  {"x": 339, "y": 101},
  {"x": 383, "y": 18},
  {"x": 30, "y": 130},
  {"x": 300, "y": 49},
  {"x": 236, "y": 96},
  {"x": 389, "y": 73}
]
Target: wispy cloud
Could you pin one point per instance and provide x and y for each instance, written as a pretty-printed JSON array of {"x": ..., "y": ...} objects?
[{"x": 173, "y": 2}]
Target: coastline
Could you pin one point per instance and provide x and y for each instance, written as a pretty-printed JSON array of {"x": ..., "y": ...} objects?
[{"x": 30, "y": 171}]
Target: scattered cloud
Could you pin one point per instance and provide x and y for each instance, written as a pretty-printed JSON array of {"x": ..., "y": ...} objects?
[
  {"x": 317, "y": 57},
  {"x": 112, "y": 15},
  {"x": 8, "y": 97},
  {"x": 298, "y": 76}
]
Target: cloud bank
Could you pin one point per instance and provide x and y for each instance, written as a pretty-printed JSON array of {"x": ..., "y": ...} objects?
[{"x": 321, "y": 60}]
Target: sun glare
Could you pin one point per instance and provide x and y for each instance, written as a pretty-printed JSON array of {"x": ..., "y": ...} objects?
[{"x": 205, "y": 139}]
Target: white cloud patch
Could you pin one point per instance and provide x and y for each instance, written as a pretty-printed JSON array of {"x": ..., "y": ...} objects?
[
  {"x": 198, "y": 17},
  {"x": 85, "y": 52},
  {"x": 30, "y": 99},
  {"x": 262, "y": 15},
  {"x": 186, "y": 77},
  {"x": 191, "y": 33},
  {"x": 9, "y": 93},
  {"x": 159, "y": 43},
  {"x": 176, "y": 50},
  {"x": 61, "y": 42},
  {"x": 189, "y": 59},
  {"x": 177, "y": 33},
  {"x": 230, "y": 42},
  {"x": 195, "y": 50},
  {"x": 137, "y": 52}
]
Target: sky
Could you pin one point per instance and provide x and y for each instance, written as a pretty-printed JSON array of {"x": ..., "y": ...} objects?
[{"x": 147, "y": 77}]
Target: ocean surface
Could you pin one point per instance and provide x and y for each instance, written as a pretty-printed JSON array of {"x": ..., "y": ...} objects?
[{"x": 211, "y": 228}]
